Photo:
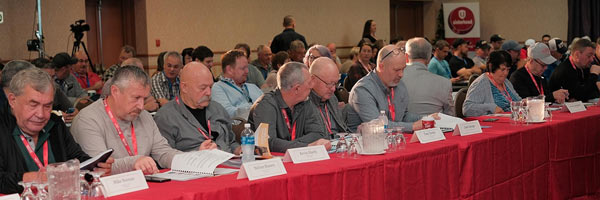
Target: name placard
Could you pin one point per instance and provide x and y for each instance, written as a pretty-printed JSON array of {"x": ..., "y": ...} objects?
[
  {"x": 574, "y": 107},
  {"x": 428, "y": 135},
  {"x": 306, "y": 154},
  {"x": 467, "y": 128},
  {"x": 14, "y": 196},
  {"x": 262, "y": 169},
  {"x": 124, "y": 183}
]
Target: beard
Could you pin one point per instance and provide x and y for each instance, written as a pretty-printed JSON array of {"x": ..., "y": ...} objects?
[{"x": 132, "y": 115}]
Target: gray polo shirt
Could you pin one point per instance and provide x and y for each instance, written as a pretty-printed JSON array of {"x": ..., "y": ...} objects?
[
  {"x": 369, "y": 96},
  {"x": 268, "y": 109}
]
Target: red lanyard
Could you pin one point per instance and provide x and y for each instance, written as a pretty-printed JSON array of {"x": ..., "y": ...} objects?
[
  {"x": 391, "y": 106},
  {"x": 121, "y": 135},
  {"x": 541, "y": 87},
  {"x": 507, "y": 96},
  {"x": 575, "y": 68},
  {"x": 32, "y": 153},
  {"x": 326, "y": 120},
  {"x": 287, "y": 122},
  {"x": 199, "y": 129}
]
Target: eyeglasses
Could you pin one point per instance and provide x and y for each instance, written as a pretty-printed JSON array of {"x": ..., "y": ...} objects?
[
  {"x": 396, "y": 52},
  {"x": 329, "y": 85},
  {"x": 540, "y": 63}
]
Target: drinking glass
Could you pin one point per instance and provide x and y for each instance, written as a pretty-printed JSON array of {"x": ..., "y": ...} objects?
[
  {"x": 84, "y": 185},
  {"x": 400, "y": 139},
  {"x": 27, "y": 192},
  {"x": 96, "y": 188},
  {"x": 390, "y": 140},
  {"x": 342, "y": 146},
  {"x": 42, "y": 190},
  {"x": 515, "y": 107},
  {"x": 353, "y": 147},
  {"x": 523, "y": 110},
  {"x": 548, "y": 116}
]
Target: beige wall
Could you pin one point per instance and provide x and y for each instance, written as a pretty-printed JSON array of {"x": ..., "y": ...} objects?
[
  {"x": 513, "y": 19},
  {"x": 18, "y": 25}
]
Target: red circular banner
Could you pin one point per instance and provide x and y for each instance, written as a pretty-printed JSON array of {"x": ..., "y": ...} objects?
[{"x": 461, "y": 20}]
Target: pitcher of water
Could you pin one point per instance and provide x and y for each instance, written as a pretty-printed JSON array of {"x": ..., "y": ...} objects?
[
  {"x": 536, "y": 108},
  {"x": 373, "y": 137},
  {"x": 63, "y": 180}
]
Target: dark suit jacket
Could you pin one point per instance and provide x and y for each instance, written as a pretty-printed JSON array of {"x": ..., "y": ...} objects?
[{"x": 282, "y": 41}]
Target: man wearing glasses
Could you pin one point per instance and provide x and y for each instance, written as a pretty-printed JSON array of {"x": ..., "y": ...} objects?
[
  {"x": 382, "y": 89},
  {"x": 165, "y": 84},
  {"x": 528, "y": 81},
  {"x": 86, "y": 78},
  {"x": 322, "y": 95}
]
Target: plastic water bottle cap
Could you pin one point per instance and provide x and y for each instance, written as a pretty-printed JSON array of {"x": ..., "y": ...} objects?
[
  {"x": 247, "y": 125},
  {"x": 382, "y": 111}
]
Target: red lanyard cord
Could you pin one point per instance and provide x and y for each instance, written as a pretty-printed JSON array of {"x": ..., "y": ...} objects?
[{"x": 120, "y": 132}]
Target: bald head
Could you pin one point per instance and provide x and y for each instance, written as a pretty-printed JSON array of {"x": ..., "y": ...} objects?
[
  {"x": 195, "y": 86},
  {"x": 323, "y": 65},
  {"x": 327, "y": 77},
  {"x": 133, "y": 62},
  {"x": 391, "y": 62}
]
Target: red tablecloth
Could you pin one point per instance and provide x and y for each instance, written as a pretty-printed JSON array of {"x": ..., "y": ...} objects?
[
  {"x": 559, "y": 159},
  {"x": 422, "y": 171}
]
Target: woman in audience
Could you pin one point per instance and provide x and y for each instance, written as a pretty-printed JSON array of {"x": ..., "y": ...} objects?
[
  {"x": 315, "y": 52},
  {"x": 187, "y": 55},
  {"x": 491, "y": 92},
  {"x": 278, "y": 60},
  {"x": 369, "y": 32},
  {"x": 361, "y": 67}
]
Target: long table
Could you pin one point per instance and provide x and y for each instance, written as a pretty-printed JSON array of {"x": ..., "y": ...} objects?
[{"x": 558, "y": 159}]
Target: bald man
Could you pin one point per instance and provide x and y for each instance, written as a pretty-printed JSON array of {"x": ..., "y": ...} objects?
[
  {"x": 192, "y": 119},
  {"x": 86, "y": 78},
  {"x": 325, "y": 82},
  {"x": 133, "y": 62}
]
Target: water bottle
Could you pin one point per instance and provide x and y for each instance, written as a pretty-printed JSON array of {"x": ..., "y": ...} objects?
[
  {"x": 383, "y": 118},
  {"x": 247, "y": 144}
]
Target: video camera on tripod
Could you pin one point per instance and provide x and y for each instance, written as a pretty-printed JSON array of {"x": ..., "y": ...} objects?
[{"x": 78, "y": 28}]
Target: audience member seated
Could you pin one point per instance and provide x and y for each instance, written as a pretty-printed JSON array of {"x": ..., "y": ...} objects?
[
  {"x": 187, "y": 55},
  {"x": 297, "y": 51},
  {"x": 354, "y": 52},
  {"x": 523, "y": 51},
  {"x": 10, "y": 70},
  {"x": 496, "y": 42},
  {"x": 133, "y": 62},
  {"x": 482, "y": 51},
  {"x": 438, "y": 65},
  {"x": 61, "y": 101},
  {"x": 528, "y": 80},
  {"x": 514, "y": 49},
  {"x": 491, "y": 92},
  {"x": 428, "y": 93},
  {"x": 192, "y": 120},
  {"x": 67, "y": 83},
  {"x": 546, "y": 39},
  {"x": 33, "y": 137},
  {"x": 254, "y": 75},
  {"x": 461, "y": 65},
  {"x": 333, "y": 51},
  {"x": 87, "y": 79},
  {"x": 293, "y": 120},
  {"x": 126, "y": 53},
  {"x": 322, "y": 95},
  {"x": 278, "y": 60},
  {"x": 150, "y": 104},
  {"x": 360, "y": 68},
  {"x": 263, "y": 62},
  {"x": 204, "y": 55},
  {"x": 382, "y": 89},
  {"x": 119, "y": 122},
  {"x": 315, "y": 52},
  {"x": 597, "y": 53},
  {"x": 160, "y": 63},
  {"x": 282, "y": 41},
  {"x": 232, "y": 91},
  {"x": 576, "y": 74},
  {"x": 165, "y": 85}
]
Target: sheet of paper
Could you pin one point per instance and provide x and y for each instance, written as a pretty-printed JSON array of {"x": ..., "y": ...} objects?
[
  {"x": 11, "y": 197},
  {"x": 204, "y": 161},
  {"x": 447, "y": 121}
]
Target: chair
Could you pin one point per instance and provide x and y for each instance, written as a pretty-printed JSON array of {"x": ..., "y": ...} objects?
[
  {"x": 342, "y": 94},
  {"x": 460, "y": 100},
  {"x": 472, "y": 78},
  {"x": 237, "y": 127}
]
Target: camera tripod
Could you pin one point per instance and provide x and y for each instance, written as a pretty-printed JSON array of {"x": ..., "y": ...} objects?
[{"x": 76, "y": 45}]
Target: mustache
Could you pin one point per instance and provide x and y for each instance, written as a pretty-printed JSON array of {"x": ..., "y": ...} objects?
[{"x": 204, "y": 99}]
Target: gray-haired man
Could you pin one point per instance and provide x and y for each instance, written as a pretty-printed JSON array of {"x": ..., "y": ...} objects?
[{"x": 293, "y": 120}]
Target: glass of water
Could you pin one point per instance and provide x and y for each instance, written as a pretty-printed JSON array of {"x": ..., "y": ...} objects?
[{"x": 515, "y": 108}]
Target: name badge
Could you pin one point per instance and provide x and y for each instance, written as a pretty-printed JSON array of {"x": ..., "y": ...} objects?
[
  {"x": 124, "y": 183},
  {"x": 306, "y": 154},
  {"x": 467, "y": 128},
  {"x": 574, "y": 107},
  {"x": 14, "y": 196},
  {"x": 428, "y": 135},
  {"x": 262, "y": 169}
]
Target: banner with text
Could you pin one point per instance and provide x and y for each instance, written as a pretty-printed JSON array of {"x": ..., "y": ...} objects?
[{"x": 461, "y": 20}]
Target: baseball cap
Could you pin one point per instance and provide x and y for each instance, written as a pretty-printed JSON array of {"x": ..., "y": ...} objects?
[
  {"x": 482, "y": 44},
  {"x": 558, "y": 45},
  {"x": 62, "y": 59},
  {"x": 496, "y": 38},
  {"x": 529, "y": 42},
  {"x": 542, "y": 52},
  {"x": 458, "y": 42},
  {"x": 511, "y": 45}
]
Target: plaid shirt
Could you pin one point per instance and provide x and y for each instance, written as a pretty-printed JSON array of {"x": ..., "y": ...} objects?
[
  {"x": 163, "y": 88},
  {"x": 110, "y": 72}
]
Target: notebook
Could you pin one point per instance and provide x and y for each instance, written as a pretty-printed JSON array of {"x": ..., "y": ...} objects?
[{"x": 197, "y": 164}]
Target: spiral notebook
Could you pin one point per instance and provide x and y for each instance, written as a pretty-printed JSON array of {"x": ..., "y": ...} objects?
[{"x": 197, "y": 164}]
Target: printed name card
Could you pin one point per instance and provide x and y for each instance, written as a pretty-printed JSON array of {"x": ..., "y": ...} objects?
[
  {"x": 124, "y": 183},
  {"x": 428, "y": 135},
  {"x": 574, "y": 107},
  {"x": 467, "y": 128},
  {"x": 306, "y": 154},
  {"x": 14, "y": 196},
  {"x": 262, "y": 169}
]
